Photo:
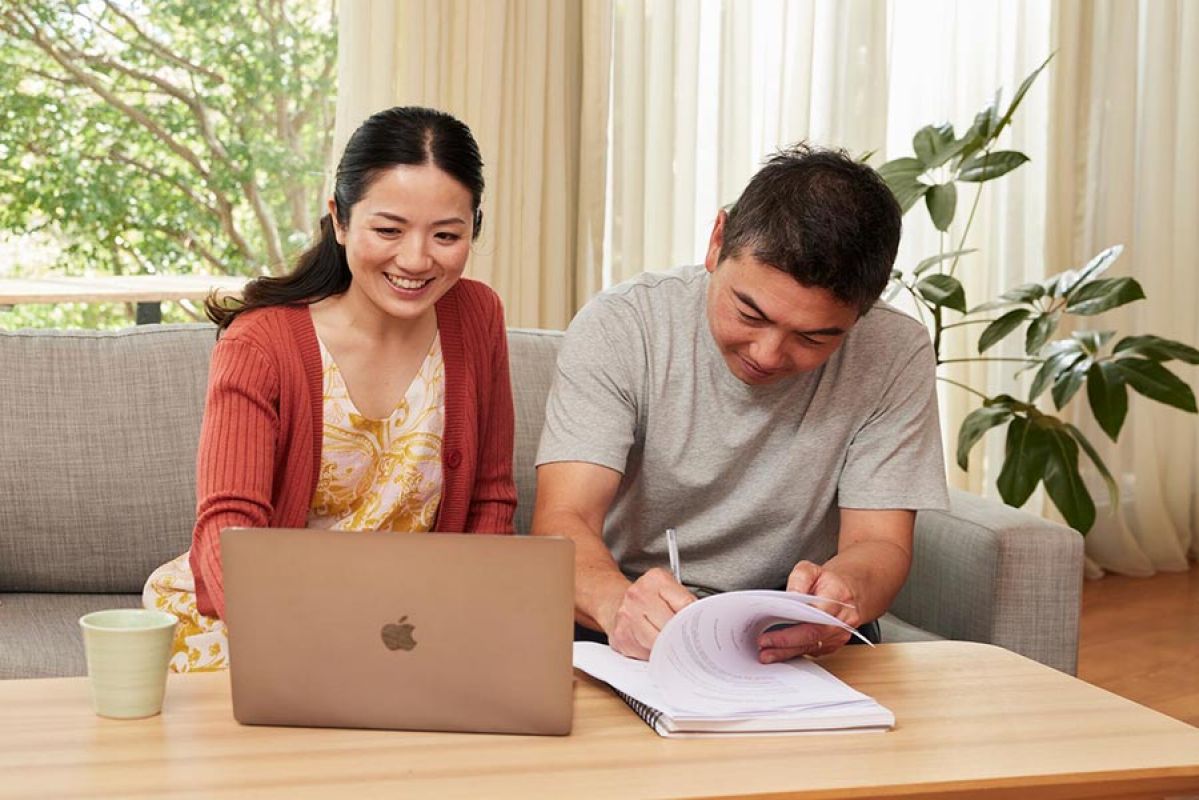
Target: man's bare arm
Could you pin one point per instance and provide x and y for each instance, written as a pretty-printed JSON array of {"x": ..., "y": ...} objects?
[
  {"x": 874, "y": 553},
  {"x": 572, "y": 500}
]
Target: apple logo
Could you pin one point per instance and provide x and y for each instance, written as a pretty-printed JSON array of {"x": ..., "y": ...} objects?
[{"x": 398, "y": 635}]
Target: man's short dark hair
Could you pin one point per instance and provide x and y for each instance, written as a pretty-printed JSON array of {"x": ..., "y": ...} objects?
[{"x": 823, "y": 218}]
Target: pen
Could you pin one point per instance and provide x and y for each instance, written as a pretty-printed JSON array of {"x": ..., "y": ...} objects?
[{"x": 672, "y": 547}]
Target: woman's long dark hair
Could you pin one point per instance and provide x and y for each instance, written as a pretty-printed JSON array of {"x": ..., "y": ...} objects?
[{"x": 406, "y": 135}]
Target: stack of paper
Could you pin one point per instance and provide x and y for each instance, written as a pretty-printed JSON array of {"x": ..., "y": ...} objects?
[{"x": 704, "y": 678}]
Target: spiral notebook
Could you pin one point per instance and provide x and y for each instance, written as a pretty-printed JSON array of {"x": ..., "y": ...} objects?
[{"x": 703, "y": 677}]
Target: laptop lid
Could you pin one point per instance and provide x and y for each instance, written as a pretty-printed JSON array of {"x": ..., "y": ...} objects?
[{"x": 434, "y": 632}]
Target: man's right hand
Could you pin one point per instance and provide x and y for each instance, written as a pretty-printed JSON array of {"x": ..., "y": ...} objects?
[
  {"x": 572, "y": 499},
  {"x": 646, "y": 606}
]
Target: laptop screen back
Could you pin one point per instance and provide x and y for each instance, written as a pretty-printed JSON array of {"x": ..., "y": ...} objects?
[{"x": 438, "y": 632}]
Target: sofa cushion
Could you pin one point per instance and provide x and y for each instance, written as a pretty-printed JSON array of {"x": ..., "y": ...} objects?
[
  {"x": 97, "y": 471},
  {"x": 533, "y": 356},
  {"x": 39, "y": 633}
]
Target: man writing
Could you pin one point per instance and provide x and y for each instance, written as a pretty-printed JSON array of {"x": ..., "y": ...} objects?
[{"x": 765, "y": 405}]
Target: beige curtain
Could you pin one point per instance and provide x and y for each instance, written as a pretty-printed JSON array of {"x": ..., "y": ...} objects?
[
  {"x": 1125, "y": 169},
  {"x": 703, "y": 91},
  {"x": 530, "y": 77}
]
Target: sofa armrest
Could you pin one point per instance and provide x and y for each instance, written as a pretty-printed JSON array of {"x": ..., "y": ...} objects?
[{"x": 986, "y": 572}]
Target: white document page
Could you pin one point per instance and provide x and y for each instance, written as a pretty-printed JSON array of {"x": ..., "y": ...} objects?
[{"x": 706, "y": 657}]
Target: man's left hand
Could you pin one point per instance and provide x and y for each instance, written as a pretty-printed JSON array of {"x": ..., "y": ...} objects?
[{"x": 808, "y": 638}]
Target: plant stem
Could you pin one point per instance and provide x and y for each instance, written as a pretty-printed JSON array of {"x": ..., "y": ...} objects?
[
  {"x": 963, "y": 386},
  {"x": 937, "y": 328},
  {"x": 919, "y": 304},
  {"x": 969, "y": 221}
]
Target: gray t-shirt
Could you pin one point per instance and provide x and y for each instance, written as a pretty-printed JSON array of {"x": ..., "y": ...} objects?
[{"x": 751, "y": 477}]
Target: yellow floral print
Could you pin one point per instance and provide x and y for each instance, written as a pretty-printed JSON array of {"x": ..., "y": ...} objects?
[{"x": 381, "y": 474}]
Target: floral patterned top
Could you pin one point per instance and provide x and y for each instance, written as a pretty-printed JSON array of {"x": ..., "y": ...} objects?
[{"x": 381, "y": 474}]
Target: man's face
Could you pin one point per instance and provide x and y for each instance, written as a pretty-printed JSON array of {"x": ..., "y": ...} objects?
[{"x": 766, "y": 324}]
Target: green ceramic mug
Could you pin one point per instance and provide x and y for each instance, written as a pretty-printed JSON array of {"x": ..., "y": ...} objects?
[{"x": 127, "y": 653}]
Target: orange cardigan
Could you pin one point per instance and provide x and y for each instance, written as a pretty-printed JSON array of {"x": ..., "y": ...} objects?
[{"x": 260, "y": 443}]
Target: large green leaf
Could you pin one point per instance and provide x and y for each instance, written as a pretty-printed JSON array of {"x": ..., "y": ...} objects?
[
  {"x": 1054, "y": 364},
  {"x": 902, "y": 176},
  {"x": 943, "y": 290},
  {"x": 1025, "y": 456},
  {"x": 1025, "y": 294},
  {"x": 977, "y": 423},
  {"x": 1069, "y": 381},
  {"x": 982, "y": 130},
  {"x": 930, "y": 142},
  {"x": 934, "y": 145},
  {"x": 1156, "y": 348},
  {"x": 1156, "y": 382},
  {"x": 1019, "y": 95},
  {"x": 942, "y": 201},
  {"x": 962, "y": 148},
  {"x": 1040, "y": 330},
  {"x": 1071, "y": 280},
  {"x": 1092, "y": 341},
  {"x": 988, "y": 166},
  {"x": 907, "y": 167},
  {"x": 1103, "y": 294},
  {"x": 1064, "y": 483},
  {"x": 1108, "y": 397},
  {"x": 933, "y": 261},
  {"x": 1001, "y": 327},
  {"x": 1113, "y": 491}
]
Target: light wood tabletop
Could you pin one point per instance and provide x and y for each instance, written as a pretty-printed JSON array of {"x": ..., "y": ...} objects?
[{"x": 972, "y": 721}]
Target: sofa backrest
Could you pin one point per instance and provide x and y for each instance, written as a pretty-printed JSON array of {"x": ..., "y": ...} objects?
[
  {"x": 97, "y": 467},
  {"x": 98, "y": 436},
  {"x": 533, "y": 355}
]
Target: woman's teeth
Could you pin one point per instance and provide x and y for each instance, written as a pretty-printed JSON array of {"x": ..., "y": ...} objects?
[{"x": 405, "y": 283}]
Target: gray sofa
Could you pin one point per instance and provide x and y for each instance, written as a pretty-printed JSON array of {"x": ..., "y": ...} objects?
[{"x": 99, "y": 433}]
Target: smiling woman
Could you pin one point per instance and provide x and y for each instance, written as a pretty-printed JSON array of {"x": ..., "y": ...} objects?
[{"x": 366, "y": 390}]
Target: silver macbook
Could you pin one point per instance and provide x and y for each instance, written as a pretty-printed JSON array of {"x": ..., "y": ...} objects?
[{"x": 431, "y": 632}]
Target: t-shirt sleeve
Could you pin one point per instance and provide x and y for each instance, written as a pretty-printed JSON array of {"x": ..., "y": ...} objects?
[
  {"x": 895, "y": 459},
  {"x": 591, "y": 412}
]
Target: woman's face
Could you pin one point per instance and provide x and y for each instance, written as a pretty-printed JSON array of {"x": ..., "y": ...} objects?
[{"x": 407, "y": 240}]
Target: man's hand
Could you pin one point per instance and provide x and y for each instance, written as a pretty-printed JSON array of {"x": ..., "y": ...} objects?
[
  {"x": 874, "y": 551},
  {"x": 808, "y": 638},
  {"x": 646, "y": 606},
  {"x": 572, "y": 499}
]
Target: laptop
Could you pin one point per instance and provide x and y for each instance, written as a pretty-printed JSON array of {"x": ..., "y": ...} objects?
[{"x": 429, "y": 632}]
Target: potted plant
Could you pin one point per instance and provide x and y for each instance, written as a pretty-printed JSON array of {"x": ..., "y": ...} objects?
[{"x": 1040, "y": 447}]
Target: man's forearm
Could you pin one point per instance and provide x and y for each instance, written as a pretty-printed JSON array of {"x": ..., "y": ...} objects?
[
  {"x": 599, "y": 583},
  {"x": 875, "y": 570}
]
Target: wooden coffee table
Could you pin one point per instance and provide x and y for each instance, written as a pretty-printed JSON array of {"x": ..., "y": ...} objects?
[{"x": 972, "y": 721}]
